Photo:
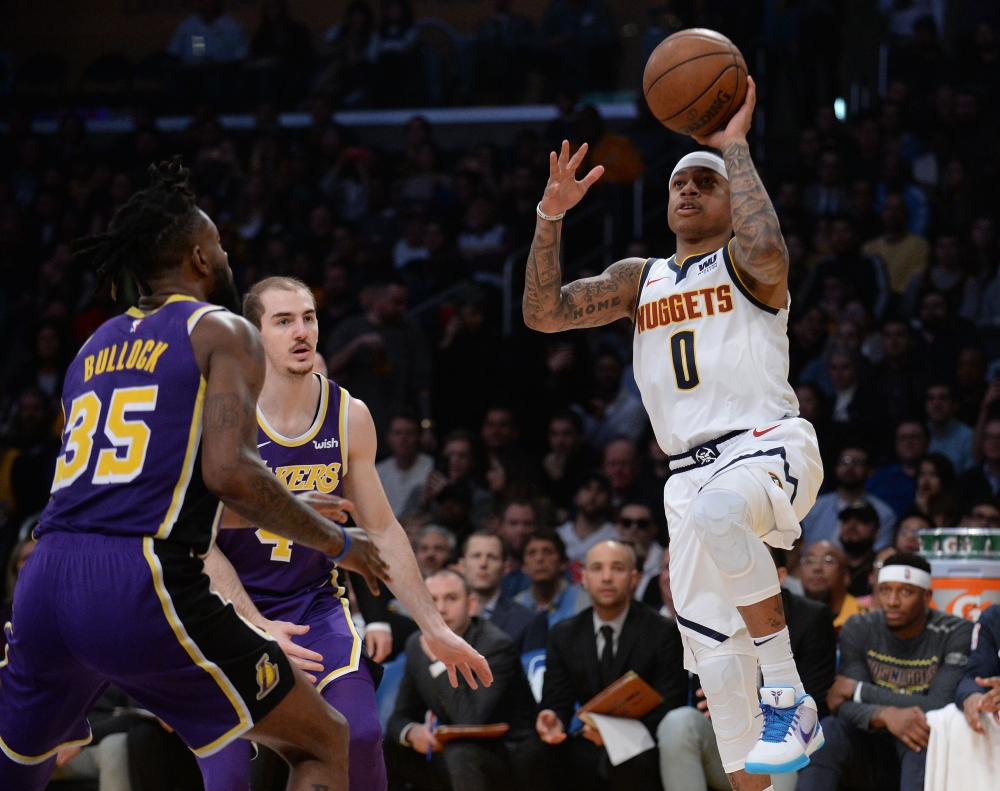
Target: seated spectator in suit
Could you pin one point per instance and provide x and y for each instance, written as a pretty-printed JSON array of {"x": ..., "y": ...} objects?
[
  {"x": 590, "y": 523},
  {"x": 435, "y": 549},
  {"x": 981, "y": 483},
  {"x": 896, "y": 484},
  {"x": 825, "y": 577},
  {"x": 895, "y": 664},
  {"x": 949, "y": 436},
  {"x": 852, "y": 472},
  {"x": 978, "y": 693},
  {"x": 689, "y": 753},
  {"x": 482, "y": 564},
  {"x": 592, "y": 650},
  {"x": 858, "y": 530},
  {"x": 468, "y": 764},
  {"x": 545, "y": 564},
  {"x": 518, "y": 519},
  {"x": 637, "y": 528}
]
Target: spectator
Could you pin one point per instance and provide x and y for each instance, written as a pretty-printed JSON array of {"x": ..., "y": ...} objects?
[
  {"x": 621, "y": 466},
  {"x": 895, "y": 664},
  {"x": 397, "y": 83},
  {"x": 948, "y": 277},
  {"x": 825, "y": 578},
  {"x": 590, "y": 524},
  {"x": 622, "y": 636},
  {"x": 977, "y": 694},
  {"x": 482, "y": 565},
  {"x": 970, "y": 384},
  {"x": 503, "y": 51},
  {"x": 621, "y": 160},
  {"x": 935, "y": 490},
  {"x": 666, "y": 597},
  {"x": 31, "y": 472},
  {"x": 981, "y": 515},
  {"x": 578, "y": 37},
  {"x": 827, "y": 196},
  {"x": 281, "y": 55},
  {"x": 545, "y": 565},
  {"x": 689, "y": 752},
  {"x": 459, "y": 456},
  {"x": 18, "y": 557},
  {"x": 636, "y": 528},
  {"x": 871, "y": 602},
  {"x": 896, "y": 484},
  {"x": 350, "y": 54},
  {"x": 209, "y": 35},
  {"x": 898, "y": 385},
  {"x": 382, "y": 357},
  {"x": 982, "y": 482},
  {"x": 858, "y": 530},
  {"x": 435, "y": 549},
  {"x": 613, "y": 410},
  {"x": 906, "y": 255},
  {"x": 908, "y": 533},
  {"x": 484, "y": 241},
  {"x": 414, "y": 755},
  {"x": 404, "y": 473},
  {"x": 940, "y": 336},
  {"x": 852, "y": 473},
  {"x": 862, "y": 273},
  {"x": 518, "y": 520},
  {"x": 564, "y": 466}
]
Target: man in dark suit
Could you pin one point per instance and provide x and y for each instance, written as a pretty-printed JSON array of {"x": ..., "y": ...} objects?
[
  {"x": 482, "y": 564},
  {"x": 591, "y": 650},
  {"x": 413, "y": 753},
  {"x": 689, "y": 753}
]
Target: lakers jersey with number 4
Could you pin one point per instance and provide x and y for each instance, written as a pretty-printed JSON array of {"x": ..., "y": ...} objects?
[
  {"x": 709, "y": 357},
  {"x": 269, "y": 565}
]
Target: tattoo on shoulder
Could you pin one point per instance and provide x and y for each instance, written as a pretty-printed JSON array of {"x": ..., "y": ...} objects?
[{"x": 221, "y": 413}]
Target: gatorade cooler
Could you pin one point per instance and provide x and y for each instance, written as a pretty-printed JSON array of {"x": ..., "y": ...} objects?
[{"x": 965, "y": 568}]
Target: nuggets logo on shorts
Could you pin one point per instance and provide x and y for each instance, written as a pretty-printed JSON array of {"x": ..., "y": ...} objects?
[
  {"x": 267, "y": 676},
  {"x": 776, "y": 479}
]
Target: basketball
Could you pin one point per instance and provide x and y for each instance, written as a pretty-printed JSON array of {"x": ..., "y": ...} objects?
[{"x": 695, "y": 81}]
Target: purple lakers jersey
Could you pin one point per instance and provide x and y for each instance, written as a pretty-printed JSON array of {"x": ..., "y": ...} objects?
[
  {"x": 130, "y": 462},
  {"x": 269, "y": 565}
]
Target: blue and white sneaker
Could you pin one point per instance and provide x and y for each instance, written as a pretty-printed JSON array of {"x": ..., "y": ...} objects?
[{"x": 791, "y": 733}]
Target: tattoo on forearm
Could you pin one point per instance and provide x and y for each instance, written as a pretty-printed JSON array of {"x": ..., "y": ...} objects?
[
  {"x": 590, "y": 302},
  {"x": 762, "y": 253}
]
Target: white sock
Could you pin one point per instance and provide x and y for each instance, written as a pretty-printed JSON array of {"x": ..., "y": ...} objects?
[{"x": 774, "y": 653}]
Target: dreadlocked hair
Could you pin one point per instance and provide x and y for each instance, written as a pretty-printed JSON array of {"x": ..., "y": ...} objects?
[{"x": 149, "y": 234}]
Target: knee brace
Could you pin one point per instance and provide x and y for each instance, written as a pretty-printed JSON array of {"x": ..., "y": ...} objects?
[{"x": 730, "y": 685}]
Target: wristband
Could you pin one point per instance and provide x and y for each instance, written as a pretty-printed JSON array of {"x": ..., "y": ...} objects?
[
  {"x": 346, "y": 549},
  {"x": 549, "y": 217},
  {"x": 857, "y": 693}
]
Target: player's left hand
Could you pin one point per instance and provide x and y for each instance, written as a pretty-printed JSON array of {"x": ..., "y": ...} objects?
[
  {"x": 282, "y": 632},
  {"x": 738, "y": 125},
  {"x": 459, "y": 657},
  {"x": 591, "y": 734},
  {"x": 378, "y": 643},
  {"x": 990, "y": 702},
  {"x": 332, "y": 507}
]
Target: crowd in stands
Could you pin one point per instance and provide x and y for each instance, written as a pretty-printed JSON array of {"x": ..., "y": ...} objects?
[{"x": 513, "y": 459}]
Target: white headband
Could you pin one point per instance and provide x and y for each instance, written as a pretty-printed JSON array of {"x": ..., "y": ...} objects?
[
  {"x": 701, "y": 159},
  {"x": 907, "y": 574}
]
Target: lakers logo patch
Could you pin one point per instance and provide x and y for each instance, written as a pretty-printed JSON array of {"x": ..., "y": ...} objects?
[{"x": 267, "y": 676}]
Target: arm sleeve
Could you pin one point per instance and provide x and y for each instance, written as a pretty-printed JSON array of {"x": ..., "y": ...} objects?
[
  {"x": 671, "y": 679},
  {"x": 943, "y": 685},
  {"x": 557, "y": 688},
  {"x": 984, "y": 661},
  {"x": 816, "y": 659},
  {"x": 410, "y": 706}
]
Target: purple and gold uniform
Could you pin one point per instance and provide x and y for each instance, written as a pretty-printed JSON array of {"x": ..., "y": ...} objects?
[
  {"x": 293, "y": 583},
  {"x": 115, "y": 591}
]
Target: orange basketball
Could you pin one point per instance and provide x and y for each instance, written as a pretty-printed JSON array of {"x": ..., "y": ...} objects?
[{"x": 695, "y": 81}]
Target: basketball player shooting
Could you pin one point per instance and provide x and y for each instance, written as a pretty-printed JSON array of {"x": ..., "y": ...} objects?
[{"x": 710, "y": 353}]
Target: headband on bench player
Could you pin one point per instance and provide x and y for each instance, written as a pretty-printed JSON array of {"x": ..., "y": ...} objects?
[{"x": 907, "y": 574}]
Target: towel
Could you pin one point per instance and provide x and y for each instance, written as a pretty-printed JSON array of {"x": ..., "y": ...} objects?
[{"x": 958, "y": 758}]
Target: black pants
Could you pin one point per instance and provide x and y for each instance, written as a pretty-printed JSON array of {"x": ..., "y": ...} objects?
[
  {"x": 862, "y": 761},
  {"x": 473, "y": 765},
  {"x": 160, "y": 761},
  {"x": 583, "y": 766}
]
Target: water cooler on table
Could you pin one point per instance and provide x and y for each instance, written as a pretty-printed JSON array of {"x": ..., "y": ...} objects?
[{"x": 965, "y": 568}]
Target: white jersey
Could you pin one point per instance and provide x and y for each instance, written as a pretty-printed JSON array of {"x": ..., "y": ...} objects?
[{"x": 709, "y": 357}]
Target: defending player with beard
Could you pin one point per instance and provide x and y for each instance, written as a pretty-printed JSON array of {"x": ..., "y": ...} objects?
[
  {"x": 320, "y": 442},
  {"x": 710, "y": 353}
]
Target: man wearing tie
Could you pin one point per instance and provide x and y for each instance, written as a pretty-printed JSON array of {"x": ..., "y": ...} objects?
[{"x": 593, "y": 649}]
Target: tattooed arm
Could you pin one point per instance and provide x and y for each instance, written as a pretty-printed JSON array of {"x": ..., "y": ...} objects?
[
  {"x": 548, "y": 305},
  {"x": 231, "y": 358},
  {"x": 759, "y": 250}
]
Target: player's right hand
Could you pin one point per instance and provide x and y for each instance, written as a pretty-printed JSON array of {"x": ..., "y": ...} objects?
[
  {"x": 458, "y": 655},
  {"x": 329, "y": 505},
  {"x": 282, "y": 632},
  {"x": 563, "y": 191},
  {"x": 909, "y": 725},
  {"x": 364, "y": 559},
  {"x": 550, "y": 727}
]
